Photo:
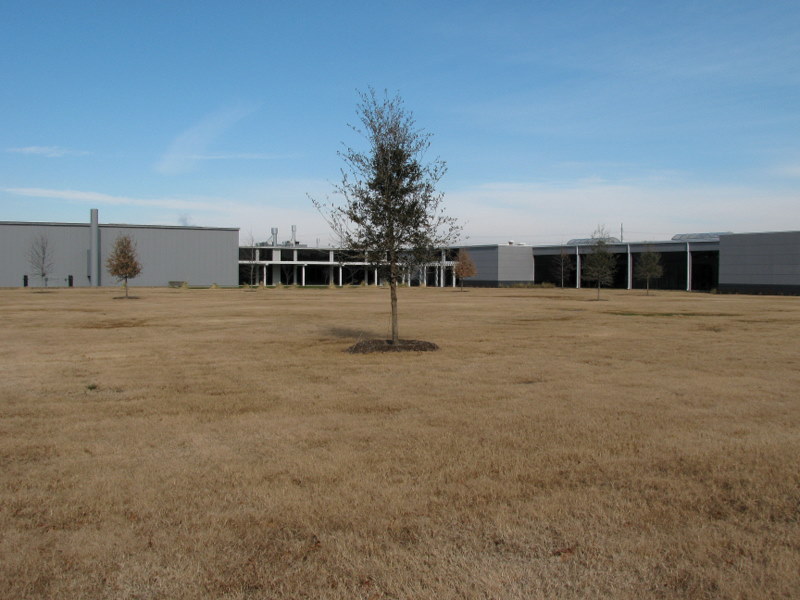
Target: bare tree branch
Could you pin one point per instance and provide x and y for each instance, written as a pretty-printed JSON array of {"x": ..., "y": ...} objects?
[{"x": 40, "y": 257}]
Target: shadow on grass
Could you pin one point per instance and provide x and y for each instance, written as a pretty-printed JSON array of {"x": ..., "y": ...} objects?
[{"x": 350, "y": 333}]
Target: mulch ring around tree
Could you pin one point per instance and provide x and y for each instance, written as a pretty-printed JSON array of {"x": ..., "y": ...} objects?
[{"x": 369, "y": 346}]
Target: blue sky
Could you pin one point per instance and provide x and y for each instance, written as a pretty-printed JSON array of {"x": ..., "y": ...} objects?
[{"x": 553, "y": 117}]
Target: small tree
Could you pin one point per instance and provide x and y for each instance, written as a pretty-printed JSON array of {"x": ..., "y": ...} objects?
[
  {"x": 40, "y": 257},
  {"x": 563, "y": 265},
  {"x": 391, "y": 211},
  {"x": 600, "y": 263},
  {"x": 649, "y": 267},
  {"x": 464, "y": 266},
  {"x": 123, "y": 263}
]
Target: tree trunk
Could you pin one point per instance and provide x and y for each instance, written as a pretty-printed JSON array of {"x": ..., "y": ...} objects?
[
  {"x": 393, "y": 292},
  {"x": 126, "y": 287}
]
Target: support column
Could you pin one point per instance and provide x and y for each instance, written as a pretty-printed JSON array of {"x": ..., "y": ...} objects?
[
  {"x": 630, "y": 268},
  {"x": 303, "y": 275},
  {"x": 376, "y": 276},
  {"x": 340, "y": 275},
  {"x": 276, "y": 268},
  {"x": 577, "y": 267},
  {"x": 533, "y": 269},
  {"x": 94, "y": 248},
  {"x": 688, "y": 268},
  {"x": 264, "y": 277}
]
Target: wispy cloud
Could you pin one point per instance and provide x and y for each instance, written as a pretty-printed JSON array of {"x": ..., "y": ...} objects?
[
  {"x": 108, "y": 199},
  {"x": 787, "y": 170},
  {"x": 47, "y": 151},
  {"x": 287, "y": 205},
  {"x": 241, "y": 156},
  {"x": 191, "y": 146},
  {"x": 537, "y": 213}
]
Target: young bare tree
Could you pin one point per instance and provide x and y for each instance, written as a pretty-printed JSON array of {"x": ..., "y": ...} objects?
[
  {"x": 390, "y": 209},
  {"x": 600, "y": 263},
  {"x": 563, "y": 265},
  {"x": 464, "y": 267},
  {"x": 649, "y": 267},
  {"x": 40, "y": 257},
  {"x": 123, "y": 262}
]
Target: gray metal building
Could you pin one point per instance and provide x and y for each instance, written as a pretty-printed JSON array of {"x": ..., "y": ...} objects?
[
  {"x": 197, "y": 255},
  {"x": 501, "y": 265},
  {"x": 760, "y": 263},
  {"x": 737, "y": 263},
  {"x": 690, "y": 262},
  {"x": 746, "y": 263}
]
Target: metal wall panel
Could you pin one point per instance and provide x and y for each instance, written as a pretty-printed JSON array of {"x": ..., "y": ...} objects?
[
  {"x": 515, "y": 264},
  {"x": 200, "y": 256},
  {"x": 485, "y": 259},
  {"x": 69, "y": 243},
  {"x": 759, "y": 261}
]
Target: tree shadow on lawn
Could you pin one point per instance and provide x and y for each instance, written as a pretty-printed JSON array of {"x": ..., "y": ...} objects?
[{"x": 350, "y": 332}]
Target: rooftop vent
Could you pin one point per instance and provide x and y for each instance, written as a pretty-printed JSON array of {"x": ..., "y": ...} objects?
[
  {"x": 590, "y": 241},
  {"x": 710, "y": 237}
]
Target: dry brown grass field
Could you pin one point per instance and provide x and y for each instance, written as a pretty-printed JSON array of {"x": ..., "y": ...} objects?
[{"x": 221, "y": 444}]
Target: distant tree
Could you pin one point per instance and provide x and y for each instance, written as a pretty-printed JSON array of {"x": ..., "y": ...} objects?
[
  {"x": 649, "y": 267},
  {"x": 391, "y": 211},
  {"x": 40, "y": 257},
  {"x": 600, "y": 263},
  {"x": 464, "y": 266},
  {"x": 563, "y": 265},
  {"x": 123, "y": 262}
]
